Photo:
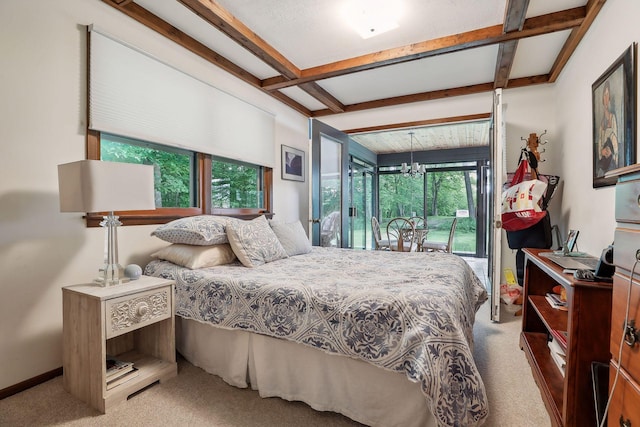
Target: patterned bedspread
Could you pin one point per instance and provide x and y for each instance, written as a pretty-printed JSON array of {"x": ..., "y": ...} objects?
[{"x": 406, "y": 312}]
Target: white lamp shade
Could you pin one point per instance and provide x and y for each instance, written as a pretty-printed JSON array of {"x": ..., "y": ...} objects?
[{"x": 99, "y": 186}]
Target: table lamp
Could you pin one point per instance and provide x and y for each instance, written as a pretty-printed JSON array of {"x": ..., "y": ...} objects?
[{"x": 99, "y": 186}]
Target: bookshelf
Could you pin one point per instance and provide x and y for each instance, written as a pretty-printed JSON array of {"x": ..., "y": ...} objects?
[{"x": 569, "y": 398}]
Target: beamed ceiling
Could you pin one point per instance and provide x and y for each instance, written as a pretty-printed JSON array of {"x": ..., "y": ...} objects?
[{"x": 304, "y": 54}]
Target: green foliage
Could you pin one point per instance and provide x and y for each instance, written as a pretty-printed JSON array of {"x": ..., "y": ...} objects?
[
  {"x": 330, "y": 193},
  {"x": 235, "y": 185},
  {"x": 172, "y": 170},
  {"x": 400, "y": 196},
  {"x": 445, "y": 192}
]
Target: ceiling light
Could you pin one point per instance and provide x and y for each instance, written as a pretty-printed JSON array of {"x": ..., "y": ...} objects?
[
  {"x": 372, "y": 17},
  {"x": 413, "y": 169}
]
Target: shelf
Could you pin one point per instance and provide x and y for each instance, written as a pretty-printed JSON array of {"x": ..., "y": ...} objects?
[
  {"x": 150, "y": 370},
  {"x": 552, "y": 318},
  {"x": 534, "y": 345},
  {"x": 569, "y": 398}
]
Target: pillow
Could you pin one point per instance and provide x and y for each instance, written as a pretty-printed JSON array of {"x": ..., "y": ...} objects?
[
  {"x": 197, "y": 256},
  {"x": 254, "y": 242},
  {"x": 202, "y": 230},
  {"x": 292, "y": 237}
]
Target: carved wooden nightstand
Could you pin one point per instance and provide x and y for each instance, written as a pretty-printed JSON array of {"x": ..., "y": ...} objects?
[{"x": 133, "y": 322}]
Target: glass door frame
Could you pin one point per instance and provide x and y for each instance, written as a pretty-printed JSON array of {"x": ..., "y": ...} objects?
[
  {"x": 368, "y": 171},
  {"x": 318, "y": 131}
]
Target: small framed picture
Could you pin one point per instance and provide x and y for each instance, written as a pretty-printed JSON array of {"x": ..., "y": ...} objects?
[
  {"x": 614, "y": 118},
  {"x": 293, "y": 164}
]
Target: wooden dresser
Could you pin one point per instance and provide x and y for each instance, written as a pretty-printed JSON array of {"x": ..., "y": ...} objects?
[
  {"x": 624, "y": 409},
  {"x": 569, "y": 397}
]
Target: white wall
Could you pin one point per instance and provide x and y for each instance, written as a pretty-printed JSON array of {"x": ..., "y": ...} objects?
[
  {"x": 584, "y": 208},
  {"x": 43, "y": 120}
]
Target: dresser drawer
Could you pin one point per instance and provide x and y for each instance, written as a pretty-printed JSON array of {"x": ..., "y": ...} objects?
[
  {"x": 131, "y": 312},
  {"x": 627, "y": 243},
  {"x": 630, "y": 359},
  {"x": 623, "y": 410},
  {"x": 628, "y": 201}
]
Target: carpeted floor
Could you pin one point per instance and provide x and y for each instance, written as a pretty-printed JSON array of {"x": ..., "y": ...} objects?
[{"x": 196, "y": 398}]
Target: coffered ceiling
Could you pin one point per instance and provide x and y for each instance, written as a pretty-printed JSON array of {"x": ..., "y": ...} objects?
[{"x": 304, "y": 53}]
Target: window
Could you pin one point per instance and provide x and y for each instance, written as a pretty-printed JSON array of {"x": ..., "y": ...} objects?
[
  {"x": 236, "y": 184},
  {"x": 175, "y": 169},
  {"x": 187, "y": 182}
]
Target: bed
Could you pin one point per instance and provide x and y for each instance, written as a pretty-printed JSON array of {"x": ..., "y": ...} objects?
[{"x": 385, "y": 338}]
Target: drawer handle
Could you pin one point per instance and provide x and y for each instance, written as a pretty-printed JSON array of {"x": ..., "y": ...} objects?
[
  {"x": 630, "y": 333},
  {"x": 141, "y": 310},
  {"x": 625, "y": 423}
]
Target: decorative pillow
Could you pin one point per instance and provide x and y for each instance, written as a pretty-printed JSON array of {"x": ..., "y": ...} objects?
[
  {"x": 292, "y": 236},
  {"x": 254, "y": 242},
  {"x": 197, "y": 256},
  {"x": 201, "y": 230}
]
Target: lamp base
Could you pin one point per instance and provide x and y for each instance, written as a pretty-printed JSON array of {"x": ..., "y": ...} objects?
[
  {"x": 110, "y": 275},
  {"x": 111, "y": 272},
  {"x": 105, "y": 283}
]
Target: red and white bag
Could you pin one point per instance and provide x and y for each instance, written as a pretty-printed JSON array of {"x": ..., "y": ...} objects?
[{"x": 521, "y": 202}]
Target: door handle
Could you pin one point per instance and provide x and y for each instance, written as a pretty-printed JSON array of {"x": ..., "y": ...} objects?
[
  {"x": 630, "y": 333},
  {"x": 314, "y": 220}
]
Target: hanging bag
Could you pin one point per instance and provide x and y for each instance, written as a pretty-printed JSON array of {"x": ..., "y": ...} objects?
[{"x": 521, "y": 201}]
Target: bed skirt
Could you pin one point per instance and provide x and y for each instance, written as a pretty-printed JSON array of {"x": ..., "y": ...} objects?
[{"x": 326, "y": 382}]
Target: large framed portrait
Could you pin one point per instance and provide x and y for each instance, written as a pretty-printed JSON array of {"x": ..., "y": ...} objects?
[
  {"x": 292, "y": 164},
  {"x": 614, "y": 118}
]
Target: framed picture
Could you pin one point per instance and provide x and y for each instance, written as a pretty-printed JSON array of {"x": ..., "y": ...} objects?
[
  {"x": 292, "y": 164},
  {"x": 614, "y": 118}
]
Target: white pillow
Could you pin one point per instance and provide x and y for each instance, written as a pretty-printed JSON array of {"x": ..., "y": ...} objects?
[
  {"x": 292, "y": 236},
  {"x": 203, "y": 230},
  {"x": 197, "y": 256},
  {"x": 254, "y": 242}
]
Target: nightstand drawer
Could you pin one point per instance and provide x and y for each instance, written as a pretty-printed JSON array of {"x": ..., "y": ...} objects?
[
  {"x": 131, "y": 312},
  {"x": 630, "y": 358},
  {"x": 625, "y": 401}
]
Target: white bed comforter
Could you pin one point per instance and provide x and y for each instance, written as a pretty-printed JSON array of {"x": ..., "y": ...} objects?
[{"x": 404, "y": 312}]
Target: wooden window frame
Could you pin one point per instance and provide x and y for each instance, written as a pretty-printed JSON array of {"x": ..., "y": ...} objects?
[{"x": 164, "y": 215}]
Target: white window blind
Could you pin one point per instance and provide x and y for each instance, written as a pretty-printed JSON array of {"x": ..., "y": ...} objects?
[{"x": 135, "y": 95}]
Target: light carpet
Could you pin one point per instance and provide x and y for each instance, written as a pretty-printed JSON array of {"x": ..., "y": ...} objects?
[{"x": 196, "y": 398}]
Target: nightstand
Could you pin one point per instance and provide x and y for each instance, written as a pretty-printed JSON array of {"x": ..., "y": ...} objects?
[{"x": 133, "y": 322}]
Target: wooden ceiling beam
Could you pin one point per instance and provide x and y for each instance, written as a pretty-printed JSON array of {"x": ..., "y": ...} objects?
[
  {"x": 515, "y": 15},
  {"x": 167, "y": 30},
  {"x": 224, "y": 21},
  {"x": 420, "y": 123},
  {"x": 407, "y": 99},
  {"x": 543, "y": 24},
  {"x": 236, "y": 30},
  {"x": 593, "y": 8},
  {"x": 437, "y": 94},
  {"x": 316, "y": 91}
]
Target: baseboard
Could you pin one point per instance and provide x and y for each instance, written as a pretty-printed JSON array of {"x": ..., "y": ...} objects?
[{"x": 31, "y": 382}]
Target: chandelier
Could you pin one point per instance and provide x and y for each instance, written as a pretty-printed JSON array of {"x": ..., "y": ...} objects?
[{"x": 412, "y": 169}]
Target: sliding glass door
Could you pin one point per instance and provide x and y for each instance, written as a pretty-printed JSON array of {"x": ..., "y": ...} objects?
[{"x": 446, "y": 191}]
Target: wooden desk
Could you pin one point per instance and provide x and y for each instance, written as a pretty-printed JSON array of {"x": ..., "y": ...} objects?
[{"x": 569, "y": 398}]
